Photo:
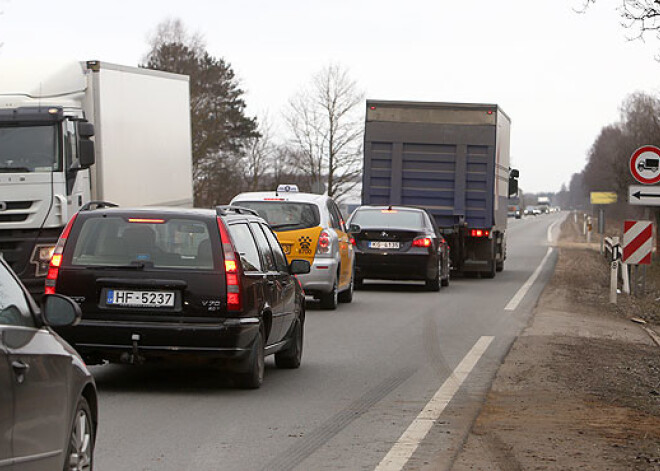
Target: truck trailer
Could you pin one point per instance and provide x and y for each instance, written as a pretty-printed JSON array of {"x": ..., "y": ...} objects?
[
  {"x": 451, "y": 159},
  {"x": 76, "y": 132}
]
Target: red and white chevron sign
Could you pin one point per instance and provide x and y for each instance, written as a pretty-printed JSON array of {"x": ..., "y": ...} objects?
[{"x": 637, "y": 242}]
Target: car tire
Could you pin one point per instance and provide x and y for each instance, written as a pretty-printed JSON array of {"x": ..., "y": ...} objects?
[
  {"x": 254, "y": 376},
  {"x": 80, "y": 452},
  {"x": 291, "y": 357},
  {"x": 346, "y": 296},
  {"x": 434, "y": 283},
  {"x": 329, "y": 300}
]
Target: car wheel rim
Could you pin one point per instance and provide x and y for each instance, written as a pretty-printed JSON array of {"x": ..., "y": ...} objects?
[{"x": 80, "y": 457}]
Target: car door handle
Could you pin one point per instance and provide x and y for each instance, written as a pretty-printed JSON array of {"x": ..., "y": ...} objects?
[{"x": 20, "y": 369}]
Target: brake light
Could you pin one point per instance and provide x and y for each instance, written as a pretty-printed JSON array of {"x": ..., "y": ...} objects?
[
  {"x": 479, "y": 233},
  {"x": 422, "y": 242},
  {"x": 234, "y": 298},
  {"x": 147, "y": 221},
  {"x": 389, "y": 211},
  {"x": 323, "y": 245},
  {"x": 56, "y": 259},
  {"x": 352, "y": 241}
]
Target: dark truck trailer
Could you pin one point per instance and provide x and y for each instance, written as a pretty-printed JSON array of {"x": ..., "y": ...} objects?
[{"x": 451, "y": 159}]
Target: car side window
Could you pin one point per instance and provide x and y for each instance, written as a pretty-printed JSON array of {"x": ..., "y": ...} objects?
[
  {"x": 335, "y": 218},
  {"x": 264, "y": 248},
  {"x": 14, "y": 308},
  {"x": 280, "y": 258},
  {"x": 246, "y": 246}
]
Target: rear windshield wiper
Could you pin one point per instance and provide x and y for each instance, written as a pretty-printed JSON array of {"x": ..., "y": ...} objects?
[
  {"x": 132, "y": 266},
  {"x": 15, "y": 169},
  {"x": 286, "y": 225}
]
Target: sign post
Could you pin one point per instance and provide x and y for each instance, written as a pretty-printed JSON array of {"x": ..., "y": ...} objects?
[{"x": 602, "y": 198}]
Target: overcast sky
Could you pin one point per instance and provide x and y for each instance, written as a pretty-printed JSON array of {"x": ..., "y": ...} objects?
[{"x": 559, "y": 75}]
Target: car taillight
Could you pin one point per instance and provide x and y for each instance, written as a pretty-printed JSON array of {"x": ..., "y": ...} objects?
[
  {"x": 479, "y": 233},
  {"x": 352, "y": 241},
  {"x": 422, "y": 242},
  {"x": 232, "y": 274},
  {"x": 323, "y": 245},
  {"x": 56, "y": 259}
]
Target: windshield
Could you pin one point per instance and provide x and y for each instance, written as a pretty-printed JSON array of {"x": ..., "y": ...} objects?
[
  {"x": 117, "y": 242},
  {"x": 29, "y": 149},
  {"x": 285, "y": 215},
  {"x": 388, "y": 218}
]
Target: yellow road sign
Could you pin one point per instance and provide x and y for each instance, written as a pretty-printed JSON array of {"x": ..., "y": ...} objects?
[{"x": 603, "y": 197}]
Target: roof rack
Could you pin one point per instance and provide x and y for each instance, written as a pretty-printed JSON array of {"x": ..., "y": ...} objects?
[
  {"x": 98, "y": 205},
  {"x": 224, "y": 209}
]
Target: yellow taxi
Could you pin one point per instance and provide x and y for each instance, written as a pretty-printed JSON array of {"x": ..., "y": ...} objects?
[{"x": 309, "y": 227}]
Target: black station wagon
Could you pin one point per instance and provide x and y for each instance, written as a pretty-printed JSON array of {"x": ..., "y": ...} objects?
[{"x": 186, "y": 284}]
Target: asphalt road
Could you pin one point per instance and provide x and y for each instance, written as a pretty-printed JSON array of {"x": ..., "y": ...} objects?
[{"x": 369, "y": 369}]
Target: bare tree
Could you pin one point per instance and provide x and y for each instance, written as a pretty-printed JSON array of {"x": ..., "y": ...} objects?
[
  {"x": 259, "y": 155},
  {"x": 640, "y": 16},
  {"x": 326, "y": 129}
]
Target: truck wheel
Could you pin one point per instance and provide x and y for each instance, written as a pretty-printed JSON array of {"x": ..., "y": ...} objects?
[{"x": 499, "y": 266}]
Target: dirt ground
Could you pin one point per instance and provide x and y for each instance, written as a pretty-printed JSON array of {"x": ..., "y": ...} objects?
[{"x": 580, "y": 388}]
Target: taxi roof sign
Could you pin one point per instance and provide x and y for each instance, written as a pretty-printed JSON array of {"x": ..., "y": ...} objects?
[{"x": 287, "y": 188}]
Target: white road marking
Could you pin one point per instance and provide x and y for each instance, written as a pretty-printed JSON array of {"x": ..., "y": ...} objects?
[
  {"x": 404, "y": 448},
  {"x": 520, "y": 294}
]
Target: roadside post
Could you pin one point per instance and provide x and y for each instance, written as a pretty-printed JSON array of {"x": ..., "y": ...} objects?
[
  {"x": 645, "y": 168},
  {"x": 589, "y": 228},
  {"x": 600, "y": 199}
]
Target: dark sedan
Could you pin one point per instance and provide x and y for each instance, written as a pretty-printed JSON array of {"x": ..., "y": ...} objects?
[
  {"x": 47, "y": 395},
  {"x": 398, "y": 243}
]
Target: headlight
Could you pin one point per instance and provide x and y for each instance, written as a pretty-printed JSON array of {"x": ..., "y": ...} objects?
[{"x": 41, "y": 256}]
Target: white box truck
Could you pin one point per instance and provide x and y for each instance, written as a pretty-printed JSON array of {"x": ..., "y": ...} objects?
[{"x": 76, "y": 132}]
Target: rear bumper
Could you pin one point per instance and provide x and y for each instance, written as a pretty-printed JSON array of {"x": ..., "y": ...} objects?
[
  {"x": 321, "y": 277},
  {"x": 224, "y": 339},
  {"x": 394, "y": 266}
]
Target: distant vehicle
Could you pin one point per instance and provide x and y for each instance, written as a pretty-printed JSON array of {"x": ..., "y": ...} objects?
[
  {"x": 309, "y": 227},
  {"x": 514, "y": 211},
  {"x": 651, "y": 164},
  {"x": 50, "y": 167},
  {"x": 451, "y": 159},
  {"x": 532, "y": 211},
  {"x": 399, "y": 243},
  {"x": 543, "y": 203},
  {"x": 47, "y": 395},
  {"x": 179, "y": 284}
]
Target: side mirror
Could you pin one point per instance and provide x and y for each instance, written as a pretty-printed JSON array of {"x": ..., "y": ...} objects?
[
  {"x": 354, "y": 229},
  {"x": 513, "y": 183},
  {"x": 86, "y": 153},
  {"x": 60, "y": 311},
  {"x": 85, "y": 129},
  {"x": 299, "y": 267}
]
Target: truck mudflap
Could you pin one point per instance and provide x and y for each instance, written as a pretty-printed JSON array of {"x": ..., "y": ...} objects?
[{"x": 20, "y": 249}]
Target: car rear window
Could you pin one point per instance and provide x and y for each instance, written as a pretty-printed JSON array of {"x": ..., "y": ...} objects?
[
  {"x": 388, "y": 218},
  {"x": 285, "y": 215},
  {"x": 117, "y": 241}
]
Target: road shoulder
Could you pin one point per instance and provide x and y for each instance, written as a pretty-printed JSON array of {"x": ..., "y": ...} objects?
[{"x": 579, "y": 389}]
